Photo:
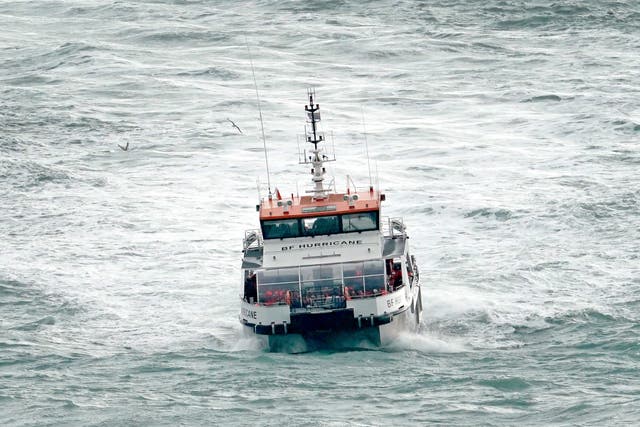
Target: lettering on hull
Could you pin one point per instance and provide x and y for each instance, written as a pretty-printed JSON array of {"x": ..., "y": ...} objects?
[
  {"x": 322, "y": 244},
  {"x": 249, "y": 314},
  {"x": 394, "y": 301}
]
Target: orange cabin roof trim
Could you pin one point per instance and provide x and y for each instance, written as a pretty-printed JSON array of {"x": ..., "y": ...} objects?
[{"x": 333, "y": 204}]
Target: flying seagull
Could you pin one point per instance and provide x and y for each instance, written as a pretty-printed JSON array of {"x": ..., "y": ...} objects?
[
  {"x": 234, "y": 125},
  {"x": 125, "y": 148}
]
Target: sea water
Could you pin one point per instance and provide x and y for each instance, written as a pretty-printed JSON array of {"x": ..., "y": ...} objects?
[{"x": 504, "y": 133}]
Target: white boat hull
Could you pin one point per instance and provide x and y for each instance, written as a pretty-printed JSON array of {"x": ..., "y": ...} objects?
[{"x": 365, "y": 337}]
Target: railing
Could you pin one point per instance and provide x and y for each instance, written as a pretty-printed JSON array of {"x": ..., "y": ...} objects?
[
  {"x": 315, "y": 299},
  {"x": 393, "y": 227},
  {"x": 376, "y": 293},
  {"x": 252, "y": 239},
  {"x": 324, "y": 301}
]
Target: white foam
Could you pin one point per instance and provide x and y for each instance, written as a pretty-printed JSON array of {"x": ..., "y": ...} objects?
[
  {"x": 427, "y": 343},
  {"x": 244, "y": 343}
]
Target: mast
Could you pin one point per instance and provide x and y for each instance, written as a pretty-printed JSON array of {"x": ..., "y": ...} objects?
[{"x": 317, "y": 158}]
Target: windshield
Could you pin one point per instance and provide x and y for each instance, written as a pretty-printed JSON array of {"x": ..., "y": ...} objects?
[
  {"x": 320, "y": 225},
  {"x": 280, "y": 229},
  {"x": 360, "y": 221}
]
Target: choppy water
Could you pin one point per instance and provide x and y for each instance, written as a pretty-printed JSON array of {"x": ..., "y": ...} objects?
[{"x": 505, "y": 133}]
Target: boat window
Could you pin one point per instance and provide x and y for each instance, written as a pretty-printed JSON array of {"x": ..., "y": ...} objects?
[
  {"x": 374, "y": 267},
  {"x": 374, "y": 284},
  {"x": 354, "y": 278},
  {"x": 320, "y": 225},
  {"x": 321, "y": 275},
  {"x": 362, "y": 221},
  {"x": 279, "y": 286},
  {"x": 354, "y": 286},
  {"x": 374, "y": 276},
  {"x": 280, "y": 229},
  {"x": 353, "y": 269},
  {"x": 280, "y": 293},
  {"x": 322, "y": 286},
  {"x": 364, "y": 278},
  {"x": 278, "y": 275}
]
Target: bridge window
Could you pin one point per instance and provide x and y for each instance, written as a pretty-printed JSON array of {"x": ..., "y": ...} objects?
[
  {"x": 362, "y": 221},
  {"x": 280, "y": 229},
  {"x": 320, "y": 225}
]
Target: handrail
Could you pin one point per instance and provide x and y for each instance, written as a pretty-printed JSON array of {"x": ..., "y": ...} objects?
[
  {"x": 393, "y": 227},
  {"x": 252, "y": 238}
]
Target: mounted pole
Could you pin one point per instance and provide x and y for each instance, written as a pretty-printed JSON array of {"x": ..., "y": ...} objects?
[
  {"x": 366, "y": 147},
  {"x": 264, "y": 139},
  {"x": 314, "y": 137}
]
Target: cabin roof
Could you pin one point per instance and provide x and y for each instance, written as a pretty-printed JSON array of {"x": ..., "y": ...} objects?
[{"x": 306, "y": 206}]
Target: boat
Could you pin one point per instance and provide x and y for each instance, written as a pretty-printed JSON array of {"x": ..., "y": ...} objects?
[{"x": 325, "y": 268}]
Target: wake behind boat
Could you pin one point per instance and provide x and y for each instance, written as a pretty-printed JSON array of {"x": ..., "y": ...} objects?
[{"x": 327, "y": 268}]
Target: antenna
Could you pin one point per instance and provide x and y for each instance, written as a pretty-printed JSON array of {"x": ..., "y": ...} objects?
[
  {"x": 333, "y": 146},
  {"x": 264, "y": 140},
  {"x": 258, "y": 186},
  {"x": 366, "y": 146}
]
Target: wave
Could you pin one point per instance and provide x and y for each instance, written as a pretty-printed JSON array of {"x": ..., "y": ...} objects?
[
  {"x": 178, "y": 37},
  {"x": 626, "y": 125},
  {"x": 589, "y": 316},
  {"x": 215, "y": 72},
  {"x": 120, "y": 10},
  {"x": 23, "y": 292},
  {"x": 557, "y": 16},
  {"x": 543, "y": 98},
  {"x": 12, "y": 144},
  {"x": 36, "y": 324},
  {"x": 28, "y": 174},
  {"x": 509, "y": 384},
  {"x": 491, "y": 213},
  {"x": 71, "y": 54},
  {"x": 427, "y": 342},
  {"x": 623, "y": 204},
  {"x": 315, "y": 6}
]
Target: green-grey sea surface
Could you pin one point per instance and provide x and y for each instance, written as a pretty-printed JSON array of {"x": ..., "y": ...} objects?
[{"x": 505, "y": 133}]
